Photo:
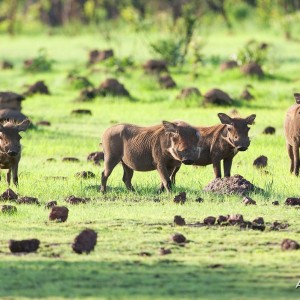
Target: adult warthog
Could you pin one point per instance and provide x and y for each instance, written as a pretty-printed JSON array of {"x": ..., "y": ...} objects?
[
  {"x": 10, "y": 147},
  {"x": 161, "y": 147},
  {"x": 222, "y": 142},
  {"x": 292, "y": 134}
]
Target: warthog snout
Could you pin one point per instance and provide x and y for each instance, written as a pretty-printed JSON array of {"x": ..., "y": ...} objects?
[
  {"x": 188, "y": 162},
  {"x": 242, "y": 148},
  {"x": 12, "y": 153}
]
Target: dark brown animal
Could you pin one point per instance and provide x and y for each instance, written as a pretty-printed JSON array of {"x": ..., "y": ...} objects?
[
  {"x": 161, "y": 147},
  {"x": 222, "y": 142},
  {"x": 10, "y": 147},
  {"x": 292, "y": 134}
]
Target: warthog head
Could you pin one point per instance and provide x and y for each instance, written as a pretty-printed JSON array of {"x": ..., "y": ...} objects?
[
  {"x": 10, "y": 137},
  {"x": 237, "y": 131},
  {"x": 184, "y": 141}
]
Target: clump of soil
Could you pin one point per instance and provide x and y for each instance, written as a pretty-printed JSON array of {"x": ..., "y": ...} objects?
[
  {"x": 246, "y": 95},
  {"x": 50, "y": 204},
  {"x": 178, "y": 220},
  {"x": 59, "y": 213},
  {"x": 85, "y": 174},
  {"x": 70, "y": 159},
  {"x": 277, "y": 225},
  {"x": 235, "y": 219},
  {"x": 81, "y": 112},
  {"x": 288, "y": 244},
  {"x": 222, "y": 219},
  {"x": 96, "y": 157},
  {"x": 178, "y": 238},
  {"x": 166, "y": 81},
  {"x": 51, "y": 159},
  {"x": 85, "y": 241},
  {"x": 9, "y": 194},
  {"x": 276, "y": 203},
  {"x": 88, "y": 94},
  {"x": 180, "y": 198},
  {"x": 28, "y": 200},
  {"x": 292, "y": 201},
  {"x": 199, "y": 200},
  {"x": 218, "y": 97},
  {"x": 163, "y": 251},
  {"x": 6, "y": 65},
  {"x": 99, "y": 55},
  {"x": 155, "y": 66},
  {"x": 259, "y": 221},
  {"x": 236, "y": 184},
  {"x": 249, "y": 201},
  {"x": 269, "y": 130},
  {"x": 189, "y": 92},
  {"x": 38, "y": 88},
  {"x": 8, "y": 209},
  {"x": 43, "y": 123},
  {"x": 76, "y": 200},
  {"x": 251, "y": 69},
  {"x": 24, "y": 246},
  {"x": 229, "y": 64},
  {"x": 112, "y": 86},
  {"x": 209, "y": 220},
  {"x": 260, "y": 162},
  {"x": 12, "y": 115},
  {"x": 10, "y": 100}
]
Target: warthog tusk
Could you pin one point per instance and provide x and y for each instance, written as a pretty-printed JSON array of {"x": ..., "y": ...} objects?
[
  {"x": 228, "y": 140},
  {"x": 199, "y": 151}
]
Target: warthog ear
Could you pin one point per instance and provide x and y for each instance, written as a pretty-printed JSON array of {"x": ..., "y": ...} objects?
[
  {"x": 225, "y": 119},
  {"x": 250, "y": 119},
  {"x": 23, "y": 126},
  {"x": 297, "y": 97},
  {"x": 169, "y": 127}
]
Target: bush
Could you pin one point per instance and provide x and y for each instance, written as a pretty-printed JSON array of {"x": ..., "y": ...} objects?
[
  {"x": 41, "y": 63},
  {"x": 253, "y": 52}
]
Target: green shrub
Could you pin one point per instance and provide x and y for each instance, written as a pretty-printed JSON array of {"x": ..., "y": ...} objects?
[
  {"x": 41, "y": 63},
  {"x": 253, "y": 52}
]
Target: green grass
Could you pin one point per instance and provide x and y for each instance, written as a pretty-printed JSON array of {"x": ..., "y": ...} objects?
[{"x": 252, "y": 265}]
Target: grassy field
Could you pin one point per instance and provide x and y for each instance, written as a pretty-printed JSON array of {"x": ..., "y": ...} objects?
[{"x": 218, "y": 262}]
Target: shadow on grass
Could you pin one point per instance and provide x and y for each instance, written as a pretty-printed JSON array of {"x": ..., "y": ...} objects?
[{"x": 165, "y": 279}]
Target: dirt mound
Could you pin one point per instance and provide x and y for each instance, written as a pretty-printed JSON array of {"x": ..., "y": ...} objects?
[
  {"x": 24, "y": 245},
  {"x": 189, "y": 92},
  {"x": 96, "y": 157},
  {"x": 81, "y": 112},
  {"x": 8, "y": 209},
  {"x": 10, "y": 100},
  {"x": 70, "y": 159},
  {"x": 288, "y": 244},
  {"x": 112, "y": 86},
  {"x": 43, "y": 123},
  {"x": 76, "y": 200},
  {"x": 50, "y": 204},
  {"x": 178, "y": 220},
  {"x": 38, "y": 88},
  {"x": 6, "y": 65},
  {"x": 292, "y": 201},
  {"x": 163, "y": 251},
  {"x": 88, "y": 94},
  {"x": 99, "y": 55},
  {"x": 269, "y": 130},
  {"x": 246, "y": 95},
  {"x": 236, "y": 184},
  {"x": 11, "y": 114},
  {"x": 9, "y": 194},
  {"x": 229, "y": 64},
  {"x": 59, "y": 213},
  {"x": 260, "y": 162},
  {"x": 252, "y": 69},
  {"x": 85, "y": 241},
  {"x": 178, "y": 238},
  {"x": 218, "y": 97},
  {"x": 85, "y": 174},
  {"x": 155, "y": 66},
  {"x": 249, "y": 201},
  {"x": 166, "y": 82},
  {"x": 209, "y": 220},
  {"x": 221, "y": 219},
  {"x": 28, "y": 200},
  {"x": 180, "y": 198}
]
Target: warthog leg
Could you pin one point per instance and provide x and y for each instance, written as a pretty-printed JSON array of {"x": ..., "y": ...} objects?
[
  {"x": 291, "y": 155},
  {"x": 227, "y": 163},
  {"x": 8, "y": 176},
  {"x": 165, "y": 174},
  {"x": 296, "y": 159},
  {"x": 14, "y": 170},
  {"x": 217, "y": 168},
  {"x": 127, "y": 176},
  {"x": 109, "y": 164}
]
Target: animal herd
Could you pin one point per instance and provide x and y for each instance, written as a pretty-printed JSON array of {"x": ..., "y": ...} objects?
[{"x": 165, "y": 147}]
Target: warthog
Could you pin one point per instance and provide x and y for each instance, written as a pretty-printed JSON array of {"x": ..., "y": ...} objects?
[
  {"x": 161, "y": 147},
  {"x": 10, "y": 147},
  {"x": 292, "y": 134},
  {"x": 222, "y": 142}
]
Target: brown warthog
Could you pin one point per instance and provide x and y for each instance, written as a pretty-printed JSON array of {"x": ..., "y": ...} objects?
[
  {"x": 292, "y": 134},
  {"x": 10, "y": 147},
  {"x": 222, "y": 142},
  {"x": 161, "y": 147}
]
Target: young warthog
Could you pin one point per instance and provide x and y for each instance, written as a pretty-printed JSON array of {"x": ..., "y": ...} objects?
[
  {"x": 161, "y": 147},
  {"x": 292, "y": 134},
  {"x": 222, "y": 142},
  {"x": 10, "y": 147}
]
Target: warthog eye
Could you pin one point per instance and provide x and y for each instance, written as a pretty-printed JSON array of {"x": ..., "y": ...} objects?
[{"x": 235, "y": 138}]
